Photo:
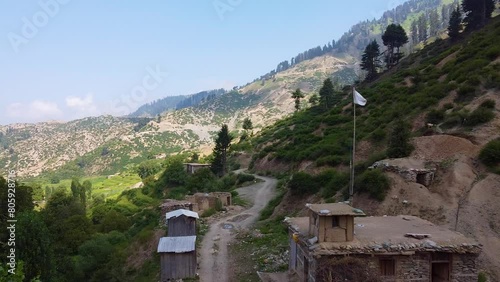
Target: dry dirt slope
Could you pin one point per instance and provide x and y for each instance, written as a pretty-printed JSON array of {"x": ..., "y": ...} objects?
[{"x": 464, "y": 195}]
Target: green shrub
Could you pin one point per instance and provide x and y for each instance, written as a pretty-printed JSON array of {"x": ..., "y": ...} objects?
[
  {"x": 331, "y": 181},
  {"x": 243, "y": 177},
  {"x": 481, "y": 277},
  {"x": 302, "y": 184},
  {"x": 177, "y": 193},
  {"x": 489, "y": 104},
  {"x": 448, "y": 106},
  {"x": 490, "y": 154},
  {"x": 331, "y": 160},
  {"x": 435, "y": 116},
  {"x": 208, "y": 212},
  {"x": 466, "y": 92},
  {"x": 374, "y": 182},
  {"x": 218, "y": 205},
  {"x": 378, "y": 135},
  {"x": 479, "y": 116},
  {"x": 399, "y": 146},
  {"x": 493, "y": 52},
  {"x": 269, "y": 209}
]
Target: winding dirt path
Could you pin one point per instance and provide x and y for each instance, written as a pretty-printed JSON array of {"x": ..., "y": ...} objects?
[{"x": 214, "y": 252}]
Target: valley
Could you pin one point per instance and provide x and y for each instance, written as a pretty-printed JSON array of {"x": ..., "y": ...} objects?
[{"x": 91, "y": 192}]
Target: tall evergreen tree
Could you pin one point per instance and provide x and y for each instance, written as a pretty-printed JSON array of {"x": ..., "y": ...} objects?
[
  {"x": 33, "y": 241},
  {"x": 455, "y": 24},
  {"x": 87, "y": 190},
  {"x": 297, "y": 95},
  {"x": 326, "y": 93},
  {"x": 75, "y": 188},
  {"x": 222, "y": 144},
  {"x": 399, "y": 145},
  {"x": 247, "y": 124},
  {"x": 477, "y": 12},
  {"x": 394, "y": 37},
  {"x": 370, "y": 61},
  {"x": 434, "y": 23},
  {"x": 414, "y": 32},
  {"x": 422, "y": 28}
]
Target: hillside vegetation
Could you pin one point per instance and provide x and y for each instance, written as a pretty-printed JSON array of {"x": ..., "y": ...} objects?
[
  {"x": 106, "y": 145},
  {"x": 463, "y": 71},
  {"x": 439, "y": 109}
]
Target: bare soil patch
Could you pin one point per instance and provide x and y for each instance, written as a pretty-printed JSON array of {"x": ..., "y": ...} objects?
[{"x": 213, "y": 255}]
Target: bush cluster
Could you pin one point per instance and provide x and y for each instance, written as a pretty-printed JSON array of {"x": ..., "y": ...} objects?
[
  {"x": 328, "y": 182},
  {"x": 374, "y": 182},
  {"x": 490, "y": 154}
]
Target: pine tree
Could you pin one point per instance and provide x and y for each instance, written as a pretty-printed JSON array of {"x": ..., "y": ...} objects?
[
  {"x": 414, "y": 32},
  {"x": 222, "y": 144},
  {"x": 394, "y": 37},
  {"x": 477, "y": 12},
  {"x": 297, "y": 95},
  {"x": 326, "y": 93},
  {"x": 455, "y": 24},
  {"x": 75, "y": 188},
  {"x": 422, "y": 28},
  {"x": 247, "y": 124},
  {"x": 370, "y": 60},
  {"x": 399, "y": 145},
  {"x": 433, "y": 23}
]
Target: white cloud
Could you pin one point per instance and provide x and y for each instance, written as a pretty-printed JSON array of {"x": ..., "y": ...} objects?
[
  {"x": 80, "y": 103},
  {"x": 83, "y": 105},
  {"x": 37, "y": 110}
]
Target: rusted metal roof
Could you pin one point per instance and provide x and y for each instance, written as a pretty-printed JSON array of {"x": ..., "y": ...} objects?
[
  {"x": 180, "y": 212},
  {"x": 183, "y": 244}
]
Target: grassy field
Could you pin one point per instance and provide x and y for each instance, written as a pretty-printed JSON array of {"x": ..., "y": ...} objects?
[{"x": 110, "y": 186}]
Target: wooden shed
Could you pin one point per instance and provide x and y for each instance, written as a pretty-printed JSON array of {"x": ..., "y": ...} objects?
[
  {"x": 332, "y": 222},
  {"x": 181, "y": 222},
  {"x": 177, "y": 257}
]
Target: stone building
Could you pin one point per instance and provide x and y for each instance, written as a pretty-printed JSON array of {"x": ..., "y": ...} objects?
[
  {"x": 396, "y": 248},
  {"x": 171, "y": 205},
  {"x": 205, "y": 201},
  {"x": 193, "y": 167}
]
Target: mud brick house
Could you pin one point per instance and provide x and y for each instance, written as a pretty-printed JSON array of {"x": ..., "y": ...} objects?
[
  {"x": 177, "y": 257},
  {"x": 396, "y": 248},
  {"x": 205, "y": 201},
  {"x": 193, "y": 167},
  {"x": 181, "y": 223}
]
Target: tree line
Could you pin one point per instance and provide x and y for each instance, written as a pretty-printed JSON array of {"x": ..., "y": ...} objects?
[{"x": 472, "y": 14}]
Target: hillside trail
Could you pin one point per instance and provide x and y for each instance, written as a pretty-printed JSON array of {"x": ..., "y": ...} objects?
[{"x": 213, "y": 257}]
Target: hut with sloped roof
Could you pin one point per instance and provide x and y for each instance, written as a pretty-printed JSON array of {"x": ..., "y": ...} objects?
[
  {"x": 177, "y": 257},
  {"x": 181, "y": 222}
]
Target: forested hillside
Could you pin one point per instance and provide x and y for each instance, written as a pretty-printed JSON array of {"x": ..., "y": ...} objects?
[
  {"x": 438, "y": 110},
  {"x": 171, "y": 103}
]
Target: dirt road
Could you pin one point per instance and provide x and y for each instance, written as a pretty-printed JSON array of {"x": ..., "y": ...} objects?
[{"x": 213, "y": 254}]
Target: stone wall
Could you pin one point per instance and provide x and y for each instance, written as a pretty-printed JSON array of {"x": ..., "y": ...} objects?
[
  {"x": 172, "y": 205},
  {"x": 417, "y": 175},
  {"x": 417, "y": 267},
  {"x": 464, "y": 268}
]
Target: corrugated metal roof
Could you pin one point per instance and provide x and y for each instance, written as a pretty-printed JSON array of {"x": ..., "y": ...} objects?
[
  {"x": 179, "y": 212},
  {"x": 181, "y": 244}
]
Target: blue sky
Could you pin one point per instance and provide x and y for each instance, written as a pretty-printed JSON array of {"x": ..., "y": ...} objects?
[{"x": 65, "y": 59}]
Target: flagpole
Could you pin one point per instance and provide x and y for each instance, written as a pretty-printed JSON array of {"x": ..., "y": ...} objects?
[{"x": 351, "y": 189}]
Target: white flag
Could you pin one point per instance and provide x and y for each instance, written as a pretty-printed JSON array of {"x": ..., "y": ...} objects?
[{"x": 358, "y": 99}]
